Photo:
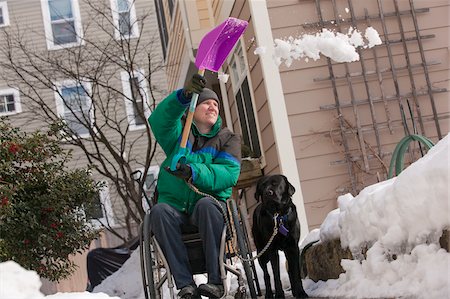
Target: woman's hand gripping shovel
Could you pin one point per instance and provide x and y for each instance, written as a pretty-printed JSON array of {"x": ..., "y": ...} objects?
[{"x": 212, "y": 52}]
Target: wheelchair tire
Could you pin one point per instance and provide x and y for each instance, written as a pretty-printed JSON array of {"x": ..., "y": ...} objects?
[
  {"x": 148, "y": 262},
  {"x": 243, "y": 249}
]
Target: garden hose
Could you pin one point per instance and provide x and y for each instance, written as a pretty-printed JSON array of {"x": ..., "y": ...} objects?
[{"x": 398, "y": 157}]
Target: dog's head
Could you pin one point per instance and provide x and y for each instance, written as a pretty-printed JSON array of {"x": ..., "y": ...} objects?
[{"x": 274, "y": 188}]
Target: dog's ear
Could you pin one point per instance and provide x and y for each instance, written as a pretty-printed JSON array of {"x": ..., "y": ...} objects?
[
  {"x": 258, "y": 193},
  {"x": 290, "y": 188},
  {"x": 259, "y": 189}
]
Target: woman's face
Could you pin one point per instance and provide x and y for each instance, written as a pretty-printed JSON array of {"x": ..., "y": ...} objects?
[{"x": 206, "y": 113}]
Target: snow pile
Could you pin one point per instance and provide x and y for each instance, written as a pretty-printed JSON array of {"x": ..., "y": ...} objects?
[
  {"x": 401, "y": 221},
  {"x": 125, "y": 282},
  {"x": 338, "y": 46},
  {"x": 9, "y": 273},
  {"x": 18, "y": 283}
]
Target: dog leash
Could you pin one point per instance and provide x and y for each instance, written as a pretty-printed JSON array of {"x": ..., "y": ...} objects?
[{"x": 228, "y": 224}]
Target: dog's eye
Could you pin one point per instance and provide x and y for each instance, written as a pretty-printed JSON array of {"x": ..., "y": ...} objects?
[{"x": 270, "y": 192}]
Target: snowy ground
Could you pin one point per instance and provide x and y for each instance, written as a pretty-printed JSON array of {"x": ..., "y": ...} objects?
[{"x": 403, "y": 216}]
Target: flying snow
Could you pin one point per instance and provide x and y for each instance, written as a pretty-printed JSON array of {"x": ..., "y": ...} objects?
[{"x": 336, "y": 45}]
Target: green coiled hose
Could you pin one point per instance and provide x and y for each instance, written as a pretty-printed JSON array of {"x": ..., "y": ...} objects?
[{"x": 398, "y": 157}]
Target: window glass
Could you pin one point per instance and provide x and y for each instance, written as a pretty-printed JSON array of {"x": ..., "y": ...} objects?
[
  {"x": 4, "y": 16},
  {"x": 60, "y": 9},
  {"x": 124, "y": 23},
  {"x": 7, "y": 103},
  {"x": 123, "y": 5},
  {"x": 64, "y": 33},
  {"x": 76, "y": 109},
  {"x": 123, "y": 8},
  {"x": 138, "y": 105},
  {"x": 96, "y": 209}
]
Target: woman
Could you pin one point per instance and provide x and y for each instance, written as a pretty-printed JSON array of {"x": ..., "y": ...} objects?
[{"x": 212, "y": 165}]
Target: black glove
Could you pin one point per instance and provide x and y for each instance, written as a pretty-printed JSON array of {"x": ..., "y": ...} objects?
[
  {"x": 196, "y": 85},
  {"x": 183, "y": 171}
]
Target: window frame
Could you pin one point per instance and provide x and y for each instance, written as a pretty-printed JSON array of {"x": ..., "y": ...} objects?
[
  {"x": 16, "y": 95},
  {"x": 48, "y": 26},
  {"x": 5, "y": 14},
  {"x": 153, "y": 169},
  {"x": 107, "y": 210},
  {"x": 134, "y": 30},
  {"x": 236, "y": 83},
  {"x": 60, "y": 105},
  {"x": 129, "y": 109}
]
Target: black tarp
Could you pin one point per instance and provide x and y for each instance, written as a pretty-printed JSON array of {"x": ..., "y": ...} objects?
[{"x": 102, "y": 262}]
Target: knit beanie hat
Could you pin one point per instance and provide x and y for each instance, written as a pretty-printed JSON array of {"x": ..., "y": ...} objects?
[{"x": 208, "y": 94}]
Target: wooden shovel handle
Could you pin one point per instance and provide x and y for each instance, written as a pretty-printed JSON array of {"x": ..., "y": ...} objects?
[{"x": 190, "y": 116}]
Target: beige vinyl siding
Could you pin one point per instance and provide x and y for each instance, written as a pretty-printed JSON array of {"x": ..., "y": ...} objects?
[{"x": 315, "y": 132}]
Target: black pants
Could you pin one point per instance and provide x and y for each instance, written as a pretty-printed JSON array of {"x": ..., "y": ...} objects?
[{"x": 166, "y": 223}]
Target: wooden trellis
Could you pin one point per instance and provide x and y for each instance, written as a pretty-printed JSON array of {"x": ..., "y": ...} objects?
[{"x": 375, "y": 77}]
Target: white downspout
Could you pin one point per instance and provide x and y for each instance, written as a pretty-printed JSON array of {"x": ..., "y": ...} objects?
[{"x": 277, "y": 106}]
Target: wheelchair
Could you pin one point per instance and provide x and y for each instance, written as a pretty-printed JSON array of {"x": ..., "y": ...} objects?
[{"x": 156, "y": 274}]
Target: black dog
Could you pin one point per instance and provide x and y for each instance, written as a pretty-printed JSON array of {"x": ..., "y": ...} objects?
[{"x": 275, "y": 193}]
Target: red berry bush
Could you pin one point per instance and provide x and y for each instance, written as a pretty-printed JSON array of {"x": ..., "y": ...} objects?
[{"x": 42, "y": 203}]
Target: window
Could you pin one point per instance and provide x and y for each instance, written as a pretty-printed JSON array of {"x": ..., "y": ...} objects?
[
  {"x": 62, "y": 23},
  {"x": 4, "y": 15},
  {"x": 163, "y": 34},
  {"x": 171, "y": 6},
  {"x": 244, "y": 101},
  {"x": 149, "y": 185},
  {"x": 9, "y": 102},
  {"x": 124, "y": 16},
  {"x": 101, "y": 210},
  {"x": 75, "y": 106},
  {"x": 136, "y": 99}
]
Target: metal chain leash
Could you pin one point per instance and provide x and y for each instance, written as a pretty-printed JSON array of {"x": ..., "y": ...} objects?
[{"x": 228, "y": 224}]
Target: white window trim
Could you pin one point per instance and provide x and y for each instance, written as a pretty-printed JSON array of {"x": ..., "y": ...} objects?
[
  {"x": 125, "y": 79},
  {"x": 105, "y": 200},
  {"x": 4, "y": 7},
  {"x": 60, "y": 103},
  {"x": 48, "y": 26},
  {"x": 155, "y": 171},
  {"x": 133, "y": 20},
  {"x": 16, "y": 95}
]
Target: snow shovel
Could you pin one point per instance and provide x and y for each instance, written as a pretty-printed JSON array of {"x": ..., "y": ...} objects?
[{"x": 212, "y": 52}]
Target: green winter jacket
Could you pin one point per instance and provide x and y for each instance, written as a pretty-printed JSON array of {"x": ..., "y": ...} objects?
[{"x": 214, "y": 158}]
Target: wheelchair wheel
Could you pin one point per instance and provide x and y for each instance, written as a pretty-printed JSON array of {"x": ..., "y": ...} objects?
[
  {"x": 151, "y": 276},
  {"x": 243, "y": 248}
]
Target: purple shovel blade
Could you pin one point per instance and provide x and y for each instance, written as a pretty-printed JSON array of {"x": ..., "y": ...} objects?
[{"x": 217, "y": 44}]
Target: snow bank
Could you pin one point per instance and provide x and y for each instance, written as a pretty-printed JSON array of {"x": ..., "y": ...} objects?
[
  {"x": 19, "y": 283},
  {"x": 12, "y": 276},
  {"x": 401, "y": 221}
]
